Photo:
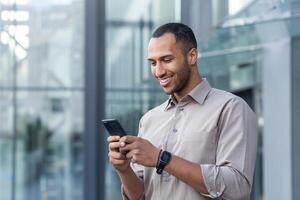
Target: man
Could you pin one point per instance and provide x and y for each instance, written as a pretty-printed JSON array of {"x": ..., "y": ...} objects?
[{"x": 199, "y": 144}]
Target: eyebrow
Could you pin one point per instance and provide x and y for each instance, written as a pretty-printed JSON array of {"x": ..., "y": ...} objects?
[{"x": 162, "y": 57}]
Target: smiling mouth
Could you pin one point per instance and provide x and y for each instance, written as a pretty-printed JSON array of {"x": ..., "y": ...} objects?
[{"x": 164, "y": 82}]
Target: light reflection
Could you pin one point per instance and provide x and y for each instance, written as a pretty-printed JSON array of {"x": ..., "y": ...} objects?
[
  {"x": 11, "y": 2},
  {"x": 9, "y": 15},
  {"x": 4, "y": 37},
  {"x": 14, "y": 34},
  {"x": 19, "y": 33},
  {"x": 236, "y": 6},
  {"x": 12, "y": 29},
  {"x": 20, "y": 52},
  {"x": 22, "y": 40}
]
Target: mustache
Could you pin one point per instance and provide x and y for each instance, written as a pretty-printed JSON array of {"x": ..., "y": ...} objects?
[{"x": 164, "y": 76}]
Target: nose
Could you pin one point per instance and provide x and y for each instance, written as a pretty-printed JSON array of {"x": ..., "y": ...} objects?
[{"x": 159, "y": 70}]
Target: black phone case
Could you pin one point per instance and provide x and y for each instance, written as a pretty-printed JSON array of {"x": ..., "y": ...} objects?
[{"x": 113, "y": 127}]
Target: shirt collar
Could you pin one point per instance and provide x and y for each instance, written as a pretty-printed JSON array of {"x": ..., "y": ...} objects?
[
  {"x": 198, "y": 93},
  {"x": 171, "y": 102}
]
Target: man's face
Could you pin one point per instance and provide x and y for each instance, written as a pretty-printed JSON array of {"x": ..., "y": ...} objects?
[{"x": 168, "y": 64}]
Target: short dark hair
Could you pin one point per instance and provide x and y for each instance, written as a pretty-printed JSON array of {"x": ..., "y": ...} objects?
[{"x": 182, "y": 33}]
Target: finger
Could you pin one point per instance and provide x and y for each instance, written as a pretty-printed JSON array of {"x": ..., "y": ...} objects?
[
  {"x": 116, "y": 155},
  {"x": 113, "y": 138},
  {"x": 127, "y": 147},
  {"x": 134, "y": 159},
  {"x": 117, "y": 161},
  {"x": 132, "y": 154},
  {"x": 114, "y": 146},
  {"x": 129, "y": 155},
  {"x": 128, "y": 139}
]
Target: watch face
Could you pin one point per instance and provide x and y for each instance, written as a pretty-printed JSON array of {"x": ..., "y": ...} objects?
[
  {"x": 165, "y": 156},
  {"x": 164, "y": 159}
]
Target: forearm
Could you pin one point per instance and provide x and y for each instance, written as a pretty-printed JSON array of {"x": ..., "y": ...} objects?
[
  {"x": 132, "y": 185},
  {"x": 188, "y": 172}
]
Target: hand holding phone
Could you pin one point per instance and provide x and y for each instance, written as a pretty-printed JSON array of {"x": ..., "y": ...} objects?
[
  {"x": 114, "y": 127},
  {"x": 118, "y": 159}
]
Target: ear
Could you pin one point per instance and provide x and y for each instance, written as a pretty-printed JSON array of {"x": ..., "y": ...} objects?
[{"x": 192, "y": 56}]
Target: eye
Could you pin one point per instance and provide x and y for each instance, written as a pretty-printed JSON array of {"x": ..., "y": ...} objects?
[
  {"x": 152, "y": 63},
  {"x": 167, "y": 60}
]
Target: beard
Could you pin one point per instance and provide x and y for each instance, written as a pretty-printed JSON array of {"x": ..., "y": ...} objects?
[{"x": 183, "y": 77}]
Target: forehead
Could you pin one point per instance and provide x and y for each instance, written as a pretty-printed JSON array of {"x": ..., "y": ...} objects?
[{"x": 163, "y": 45}]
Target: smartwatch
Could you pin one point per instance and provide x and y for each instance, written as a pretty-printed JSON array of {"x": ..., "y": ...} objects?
[{"x": 163, "y": 159}]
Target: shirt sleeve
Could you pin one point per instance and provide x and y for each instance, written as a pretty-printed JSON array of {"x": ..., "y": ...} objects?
[{"x": 231, "y": 177}]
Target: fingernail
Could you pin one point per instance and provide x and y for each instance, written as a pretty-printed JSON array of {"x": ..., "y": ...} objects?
[{"x": 122, "y": 144}]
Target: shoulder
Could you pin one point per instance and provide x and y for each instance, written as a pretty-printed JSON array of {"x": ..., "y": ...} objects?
[
  {"x": 226, "y": 97},
  {"x": 222, "y": 95},
  {"x": 231, "y": 103}
]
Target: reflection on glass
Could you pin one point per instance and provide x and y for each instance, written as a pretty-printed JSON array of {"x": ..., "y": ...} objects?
[
  {"x": 41, "y": 75},
  {"x": 46, "y": 38},
  {"x": 49, "y": 150},
  {"x": 6, "y": 57},
  {"x": 237, "y": 6},
  {"x": 6, "y": 144}
]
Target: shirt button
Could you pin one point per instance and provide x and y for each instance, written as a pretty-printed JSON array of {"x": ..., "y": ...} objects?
[{"x": 174, "y": 130}]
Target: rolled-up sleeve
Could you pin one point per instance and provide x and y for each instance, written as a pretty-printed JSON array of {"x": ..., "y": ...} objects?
[
  {"x": 225, "y": 182},
  {"x": 231, "y": 177}
]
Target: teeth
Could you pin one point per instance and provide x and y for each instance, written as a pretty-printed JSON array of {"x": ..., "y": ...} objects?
[{"x": 164, "y": 82}]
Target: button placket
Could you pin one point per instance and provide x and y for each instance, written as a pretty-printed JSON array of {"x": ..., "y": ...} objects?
[
  {"x": 179, "y": 109},
  {"x": 173, "y": 130}
]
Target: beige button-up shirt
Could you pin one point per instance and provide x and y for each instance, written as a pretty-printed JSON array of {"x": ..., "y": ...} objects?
[{"x": 210, "y": 127}]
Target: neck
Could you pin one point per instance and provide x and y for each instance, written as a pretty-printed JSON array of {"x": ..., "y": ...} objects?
[{"x": 193, "y": 82}]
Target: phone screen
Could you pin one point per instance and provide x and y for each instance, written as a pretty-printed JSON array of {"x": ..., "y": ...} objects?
[{"x": 113, "y": 127}]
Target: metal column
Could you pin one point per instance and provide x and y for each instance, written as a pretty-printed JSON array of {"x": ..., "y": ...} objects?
[{"x": 94, "y": 141}]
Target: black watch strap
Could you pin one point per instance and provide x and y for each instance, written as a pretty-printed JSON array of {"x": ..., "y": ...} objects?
[{"x": 163, "y": 159}]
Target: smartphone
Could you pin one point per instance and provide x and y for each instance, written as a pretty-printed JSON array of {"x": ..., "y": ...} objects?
[{"x": 113, "y": 127}]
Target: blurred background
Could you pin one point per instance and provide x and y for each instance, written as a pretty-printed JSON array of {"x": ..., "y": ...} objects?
[{"x": 67, "y": 64}]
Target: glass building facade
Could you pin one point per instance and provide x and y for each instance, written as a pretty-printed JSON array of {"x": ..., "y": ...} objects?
[
  {"x": 42, "y": 104},
  {"x": 67, "y": 64}
]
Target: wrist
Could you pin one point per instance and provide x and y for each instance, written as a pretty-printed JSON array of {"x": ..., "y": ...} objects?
[
  {"x": 163, "y": 160},
  {"x": 156, "y": 158},
  {"x": 123, "y": 170}
]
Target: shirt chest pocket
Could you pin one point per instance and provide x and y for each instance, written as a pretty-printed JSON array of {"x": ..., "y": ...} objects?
[{"x": 198, "y": 145}]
